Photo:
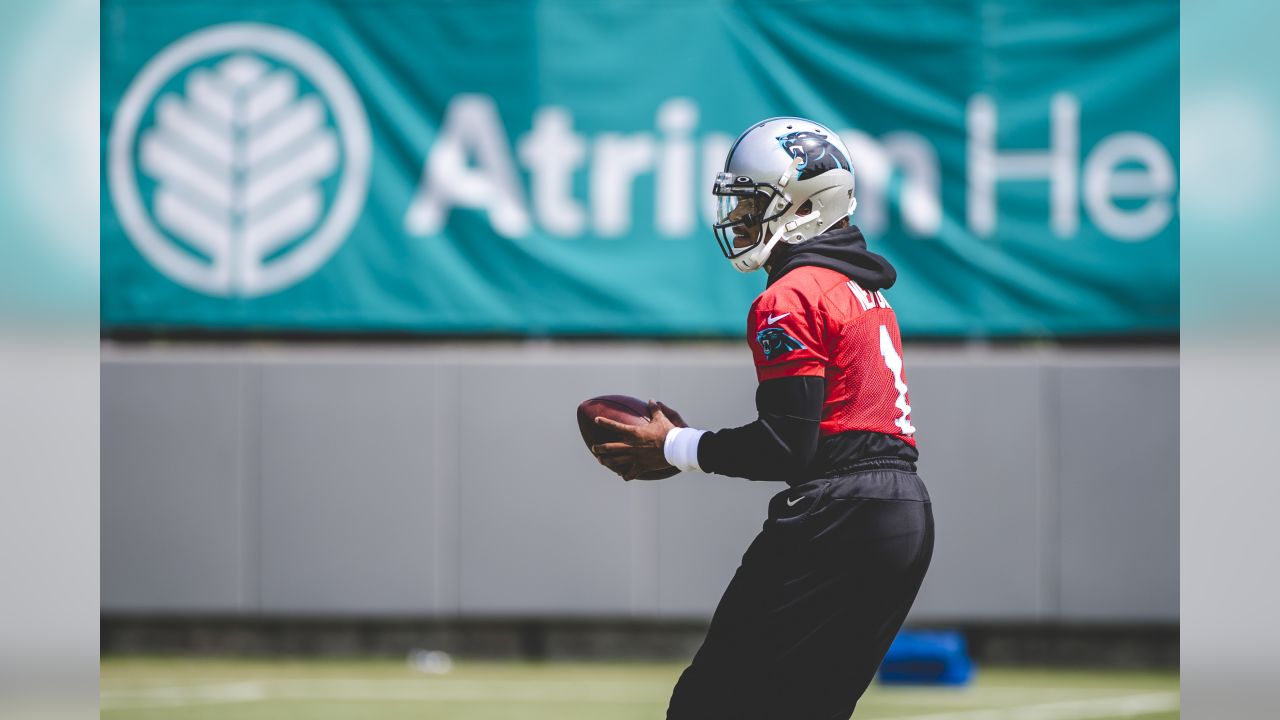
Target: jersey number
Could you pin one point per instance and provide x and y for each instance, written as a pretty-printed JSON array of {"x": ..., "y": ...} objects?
[{"x": 894, "y": 362}]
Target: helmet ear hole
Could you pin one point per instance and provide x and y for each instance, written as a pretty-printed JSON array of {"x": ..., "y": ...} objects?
[{"x": 805, "y": 208}]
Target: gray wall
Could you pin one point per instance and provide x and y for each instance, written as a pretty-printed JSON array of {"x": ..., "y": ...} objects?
[{"x": 446, "y": 481}]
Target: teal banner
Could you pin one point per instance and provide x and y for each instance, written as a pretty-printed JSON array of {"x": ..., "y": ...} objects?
[{"x": 544, "y": 167}]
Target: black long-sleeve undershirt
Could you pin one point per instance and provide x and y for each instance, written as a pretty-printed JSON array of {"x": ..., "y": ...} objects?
[
  {"x": 784, "y": 443},
  {"x": 779, "y": 445}
]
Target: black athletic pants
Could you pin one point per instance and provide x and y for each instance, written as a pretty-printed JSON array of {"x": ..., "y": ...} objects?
[{"x": 820, "y": 594}]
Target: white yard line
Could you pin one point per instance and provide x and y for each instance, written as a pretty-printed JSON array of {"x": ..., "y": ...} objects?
[
  {"x": 988, "y": 696},
  {"x": 426, "y": 690},
  {"x": 1001, "y": 703},
  {"x": 1109, "y": 707},
  {"x": 238, "y": 692}
]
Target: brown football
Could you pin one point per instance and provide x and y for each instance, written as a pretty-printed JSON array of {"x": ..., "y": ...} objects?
[{"x": 624, "y": 409}]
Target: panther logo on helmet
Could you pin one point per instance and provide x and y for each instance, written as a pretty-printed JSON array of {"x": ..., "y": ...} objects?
[{"x": 817, "y": 155}]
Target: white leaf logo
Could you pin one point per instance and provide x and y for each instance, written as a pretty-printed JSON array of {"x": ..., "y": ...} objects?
[
  {"x": 240, "y": 156},
  {"x": 239, "y": 163}
]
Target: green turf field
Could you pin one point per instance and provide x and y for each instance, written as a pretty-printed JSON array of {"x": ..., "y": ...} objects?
[{"x": 187, "y": 689}]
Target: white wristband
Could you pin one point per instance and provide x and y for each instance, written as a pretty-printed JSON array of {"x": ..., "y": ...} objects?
[{"x": 681, "y": 448}]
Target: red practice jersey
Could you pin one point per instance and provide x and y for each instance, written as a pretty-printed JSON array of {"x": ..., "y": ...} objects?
[{"x": 815, "y": 321}]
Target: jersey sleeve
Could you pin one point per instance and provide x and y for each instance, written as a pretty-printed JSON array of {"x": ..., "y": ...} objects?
[{"x": 786, "y": 332}]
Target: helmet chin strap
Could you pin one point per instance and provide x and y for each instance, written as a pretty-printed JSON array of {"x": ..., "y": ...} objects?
[{"x": 756, "y": 259}]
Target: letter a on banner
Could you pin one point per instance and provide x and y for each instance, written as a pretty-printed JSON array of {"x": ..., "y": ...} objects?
[{"x": 471, "y": 128}]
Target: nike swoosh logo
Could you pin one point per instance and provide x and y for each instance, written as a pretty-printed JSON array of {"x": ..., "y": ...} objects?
[
  {"x": 792, "y": 503},
  {"x": 773, "y": 319}
]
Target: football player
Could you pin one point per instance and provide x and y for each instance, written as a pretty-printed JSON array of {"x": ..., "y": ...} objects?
[{"x": 825, "y": 586}]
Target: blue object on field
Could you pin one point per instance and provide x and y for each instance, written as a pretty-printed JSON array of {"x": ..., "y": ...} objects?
[{"x": 933, "y": 657}]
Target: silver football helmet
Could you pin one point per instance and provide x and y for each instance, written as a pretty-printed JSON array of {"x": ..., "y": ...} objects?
[{"x": 771, "y": 170}]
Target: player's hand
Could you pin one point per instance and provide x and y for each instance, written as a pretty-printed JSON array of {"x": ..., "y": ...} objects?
[{"x": 640, "y": 451}]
